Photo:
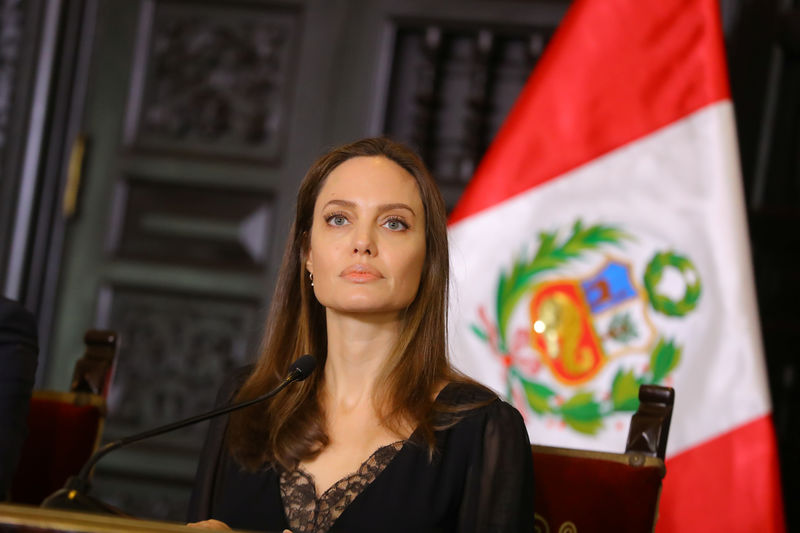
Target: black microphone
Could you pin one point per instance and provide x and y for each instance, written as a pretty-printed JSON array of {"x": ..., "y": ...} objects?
[{"x": 74, "y": 496}]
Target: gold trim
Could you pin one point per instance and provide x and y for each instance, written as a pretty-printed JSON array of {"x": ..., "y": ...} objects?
[
  {"x": 540, "y": 524},
  {"x": 568, "y": 527},
  {"x": 74, "y": 398},
  {"x": 79, "y": 399},
  {"x": 632, "y": 459},
  {"x": 53, "y": 519},
  {"x": 74, "y": 174}
]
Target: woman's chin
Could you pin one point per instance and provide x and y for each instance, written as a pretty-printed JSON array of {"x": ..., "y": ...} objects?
[{"x": 364, "y": 307}]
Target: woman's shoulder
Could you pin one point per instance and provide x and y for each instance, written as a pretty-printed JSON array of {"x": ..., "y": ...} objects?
[
  {"x": 232, "y": 383},
  {"x": 465, "y": 393},
  {"x": 465, "y": 399}
]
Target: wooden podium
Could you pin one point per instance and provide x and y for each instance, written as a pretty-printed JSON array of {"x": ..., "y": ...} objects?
[{"x": 25, "y": 518}]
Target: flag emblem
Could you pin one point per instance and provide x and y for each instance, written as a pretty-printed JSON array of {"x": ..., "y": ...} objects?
[{"x": 571, "y": 309}]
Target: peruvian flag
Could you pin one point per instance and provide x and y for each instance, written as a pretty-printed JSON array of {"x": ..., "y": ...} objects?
[{"x": 602, "y": 244}]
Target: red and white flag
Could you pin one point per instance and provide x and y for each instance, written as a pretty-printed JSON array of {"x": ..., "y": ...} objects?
[{"x": 602, "y": 244}]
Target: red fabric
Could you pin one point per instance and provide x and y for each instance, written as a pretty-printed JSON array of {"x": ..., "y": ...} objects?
[
  {"x": 595, "y": 495},
  {"x": 731, "y": 483},
  {"x": 615, "y": 70},
  {"x": 61, "y": 438}
]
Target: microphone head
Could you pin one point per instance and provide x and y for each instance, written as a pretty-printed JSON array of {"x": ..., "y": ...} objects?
[{"x": 303, "y": 367}]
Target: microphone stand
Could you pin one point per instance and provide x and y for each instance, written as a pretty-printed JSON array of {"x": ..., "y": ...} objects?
[{"x": 74, "y": 495}]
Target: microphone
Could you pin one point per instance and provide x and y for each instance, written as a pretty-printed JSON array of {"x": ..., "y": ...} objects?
[
  {"x": 74, "y": 495},
  {"x": 302, "y": 368}
]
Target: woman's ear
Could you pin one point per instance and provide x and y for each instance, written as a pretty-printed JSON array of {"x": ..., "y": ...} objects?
[{"x": 306, "y": 252}]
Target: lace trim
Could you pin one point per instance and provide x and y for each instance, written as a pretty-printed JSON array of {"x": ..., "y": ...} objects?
[{"x": 308, "y": 514}]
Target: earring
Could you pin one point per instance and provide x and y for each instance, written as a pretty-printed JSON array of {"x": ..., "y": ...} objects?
[{"x": 311, "y": 277}]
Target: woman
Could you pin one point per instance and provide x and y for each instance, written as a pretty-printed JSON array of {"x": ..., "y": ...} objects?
[{"x": 385, "y": 435}]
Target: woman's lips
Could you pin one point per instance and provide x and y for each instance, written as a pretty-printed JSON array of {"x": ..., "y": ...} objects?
[{"x": 360, "y": 273}]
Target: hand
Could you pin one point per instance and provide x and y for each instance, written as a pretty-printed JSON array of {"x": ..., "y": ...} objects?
[
  {"x": 215, "y": 524},
  {"x": 209, "y": 524}
]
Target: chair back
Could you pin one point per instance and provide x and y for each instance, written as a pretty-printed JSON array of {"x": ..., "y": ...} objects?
[
  {"x": 93, "y": 371},
  {"x": 581, "y": 491},
  {"x": 65, "y": 428}
]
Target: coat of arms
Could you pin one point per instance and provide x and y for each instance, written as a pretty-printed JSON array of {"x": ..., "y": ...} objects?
[{"x": 578, "y": 324}]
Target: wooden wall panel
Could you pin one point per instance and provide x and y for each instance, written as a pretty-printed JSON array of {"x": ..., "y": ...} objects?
[
  {"x": 213, "y": 79},
  {"x": 214, "y": 227},
  {"x": 451, "y": 88},
  {"x": 176, "y": 348}
]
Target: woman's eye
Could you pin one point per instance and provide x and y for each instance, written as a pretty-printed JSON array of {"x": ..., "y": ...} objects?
[
  {"x": 337, "y": 220},
  {"x": 395, "y": 224}
]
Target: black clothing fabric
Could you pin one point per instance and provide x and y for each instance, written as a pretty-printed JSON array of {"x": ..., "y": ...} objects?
[
  {"x": 18, "y": 354},
  {"x": 307, "y": 513},
  {"x": 480, "y": 478}
]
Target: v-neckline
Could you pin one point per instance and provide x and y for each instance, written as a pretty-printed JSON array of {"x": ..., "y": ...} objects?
[
  {"x": 319, "y": 498},
  {"x": 310, "y": 477},
  {"x": 312, "y": 512},
  {"x": 410, "y": 438}
]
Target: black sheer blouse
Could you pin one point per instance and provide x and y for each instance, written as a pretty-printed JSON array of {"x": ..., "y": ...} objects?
[{"x": 479, "y": 480}]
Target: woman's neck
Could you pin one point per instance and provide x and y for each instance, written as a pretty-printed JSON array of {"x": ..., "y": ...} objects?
[{"x": 358, "y": 347}]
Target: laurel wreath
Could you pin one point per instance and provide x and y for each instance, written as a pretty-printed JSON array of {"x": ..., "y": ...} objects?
[
  {"x": 583, "y": 411},
  {"x": 549, "y": 256},
  {"x": 652, "y": 276}
]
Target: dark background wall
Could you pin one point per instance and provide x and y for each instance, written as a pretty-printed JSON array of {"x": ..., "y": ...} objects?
[{"x": 150, "y": 152}]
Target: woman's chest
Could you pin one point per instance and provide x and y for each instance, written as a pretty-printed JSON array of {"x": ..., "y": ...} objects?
[
  {"x": 347, "y": 453},
  {"x": 310, "y": 511},
  {"x": 411, "y": 493}
]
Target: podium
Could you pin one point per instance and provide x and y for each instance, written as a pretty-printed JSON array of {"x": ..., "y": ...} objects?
[{"x": 25, "y": 518}]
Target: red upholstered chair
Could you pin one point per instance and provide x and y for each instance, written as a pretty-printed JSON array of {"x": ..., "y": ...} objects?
[
  {"x": 64, "y": 428},
  {"x": 586, "y": 491}
]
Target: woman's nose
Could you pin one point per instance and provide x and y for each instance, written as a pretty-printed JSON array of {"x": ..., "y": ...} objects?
[{"x": 363, "y": 242}]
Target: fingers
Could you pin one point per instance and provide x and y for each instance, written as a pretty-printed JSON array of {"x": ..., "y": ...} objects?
[{"x": 209, "y": 524}]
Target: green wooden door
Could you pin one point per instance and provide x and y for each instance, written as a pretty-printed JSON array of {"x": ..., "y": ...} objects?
[{"x": 200, "y": 121}]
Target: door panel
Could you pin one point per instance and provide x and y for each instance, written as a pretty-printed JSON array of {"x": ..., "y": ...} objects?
[
  {"x": 213, "y": 80},
  {"x": 199, "y": 130}
]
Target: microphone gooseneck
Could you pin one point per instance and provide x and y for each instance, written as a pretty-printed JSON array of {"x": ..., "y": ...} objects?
[{"x": 74, "y": 493}]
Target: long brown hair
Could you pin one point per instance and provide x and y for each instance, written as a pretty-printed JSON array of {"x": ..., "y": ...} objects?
[{"x": 292, "y": 426}]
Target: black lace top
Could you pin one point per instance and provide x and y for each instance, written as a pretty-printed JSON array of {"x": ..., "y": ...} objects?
[
  {"x": 308, "y": 514},
  {"x": 479, "y": 480}
]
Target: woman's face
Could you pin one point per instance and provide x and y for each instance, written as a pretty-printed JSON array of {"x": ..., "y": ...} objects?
[{"x": 367, "y": 244}]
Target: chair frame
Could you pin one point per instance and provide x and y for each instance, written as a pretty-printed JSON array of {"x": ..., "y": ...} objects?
[{"x": 646, "y": 443}]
